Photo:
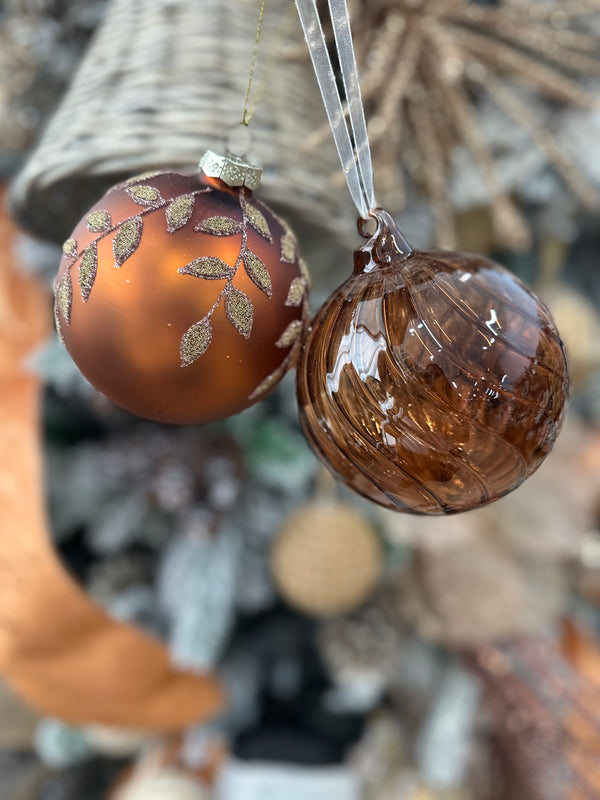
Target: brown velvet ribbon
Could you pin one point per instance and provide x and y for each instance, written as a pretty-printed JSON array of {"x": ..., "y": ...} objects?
[{"x": 58, "y": 650}]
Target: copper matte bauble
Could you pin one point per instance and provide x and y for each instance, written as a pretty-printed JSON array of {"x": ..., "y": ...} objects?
[
  {"x": 431, "y": 382},
  {"x": 181, "y": 298}
]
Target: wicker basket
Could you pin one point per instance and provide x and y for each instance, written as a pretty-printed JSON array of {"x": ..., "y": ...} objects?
[{"x": 162, "y": 81}]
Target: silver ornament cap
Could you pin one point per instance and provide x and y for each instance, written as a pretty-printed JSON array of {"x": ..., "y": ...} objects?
[{"x": 232, "y": 170}]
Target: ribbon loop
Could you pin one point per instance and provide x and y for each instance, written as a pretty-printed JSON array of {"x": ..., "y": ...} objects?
[{"x": 353, "y": 150}]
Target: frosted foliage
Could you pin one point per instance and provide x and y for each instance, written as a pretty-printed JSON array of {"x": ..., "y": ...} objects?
[
  {"x": 446, "y": 737},
  {"x": 197, "y": 586},
  {"x": 57, "y": 369},
  {"x": 59, "y": 745}
]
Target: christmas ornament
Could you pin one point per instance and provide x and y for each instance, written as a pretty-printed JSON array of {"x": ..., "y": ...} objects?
[
  {"x": 430, "y": 382},
  {"x": 182, "y": 297},
  {"x": 326, "y": 559}
]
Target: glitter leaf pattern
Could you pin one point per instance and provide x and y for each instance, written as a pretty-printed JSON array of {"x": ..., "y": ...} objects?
[
  {"x": 296, "y": 292},
  {"x": 88, "y": 267},
  {"x": 290, "y": 334},
  {"x": 58, "y": 324},
  {"x": 209, "y": 267},
  {"x": 238, "y": 306},
  {"x": 304, "y": 271},
  {"x": 265, "y": 386},
  {"x": 69, "y": 248},
  {"x": 127, "y": 240},
  {"x": 179, "y": 211},
  {"x": 219, "y": 226},
  {"x": 257, "y": 272},
  {"x": 98, "y": 221},
  {"x": 126, "y": 237},
  {"x": 288, "y": 247},
  {"x": 239, "y": 310},
  {"x": 257, "y": 219},
  {"x": 195, "y": 342},
  {"x": 64, "y": 297},
  {"x": 145, "y": 195}
]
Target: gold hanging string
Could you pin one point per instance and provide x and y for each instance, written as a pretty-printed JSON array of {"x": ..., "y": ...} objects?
[
  {"x": 282, "y": 33},
  {"x": 246, "y": 117}
]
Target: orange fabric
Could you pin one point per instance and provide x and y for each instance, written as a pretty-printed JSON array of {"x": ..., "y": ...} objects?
[{"x": 59, "y": 651}]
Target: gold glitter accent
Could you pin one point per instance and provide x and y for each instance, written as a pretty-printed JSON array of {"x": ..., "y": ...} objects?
[
  {"x": 290, "y": 334},
  {"x": 98, "y": 221},
  {"x": 259, "y": 223},
  {"x": 257, "y": 272},
  {"x": 195, "y": 342},
  {"x": 87, "y": 270},
  {"x": 269, "y": 382},
  {"x": 305, "y": 309},
  {"x": 58, "y": 324},
  {"x": 69, "y": 248},
  {"x": 288, "y": 247},
  {"x": 127, "y": 240},
  {"x": 240, "y": 311},
  {"x": 296, "y": 292},
  {"x": 209, "y": 267},
  {"x": 179, "y": 212},
  {"x": 64, "y": 297},
  {"x": 274, "y": 377},
  {"x": 219, "y": 226},
  {"x": 145, "y": 195},
  {"x": 304, "y": 271}
]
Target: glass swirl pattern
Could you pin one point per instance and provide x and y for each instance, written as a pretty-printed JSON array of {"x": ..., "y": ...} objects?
[{"x": 431, "y": 382}]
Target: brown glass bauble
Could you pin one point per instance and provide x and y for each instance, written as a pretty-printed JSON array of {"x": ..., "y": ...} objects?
[
  {"x": 181, "y": 298},
  {"x": 431, "y": 382}
]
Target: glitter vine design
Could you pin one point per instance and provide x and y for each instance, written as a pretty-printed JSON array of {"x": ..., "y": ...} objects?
[
  {"x": 239, "y": 309},
  {"x": 238, "y": 306},
  {"x": 127, "y": 238}
]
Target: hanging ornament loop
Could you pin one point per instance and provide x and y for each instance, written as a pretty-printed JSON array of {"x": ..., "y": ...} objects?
[
  {"x": 351, "y": 140},
  {"x": 430, "y": 382},
  {"x": 385, "y": 246},
  {"x": 368, "y": 226}
]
